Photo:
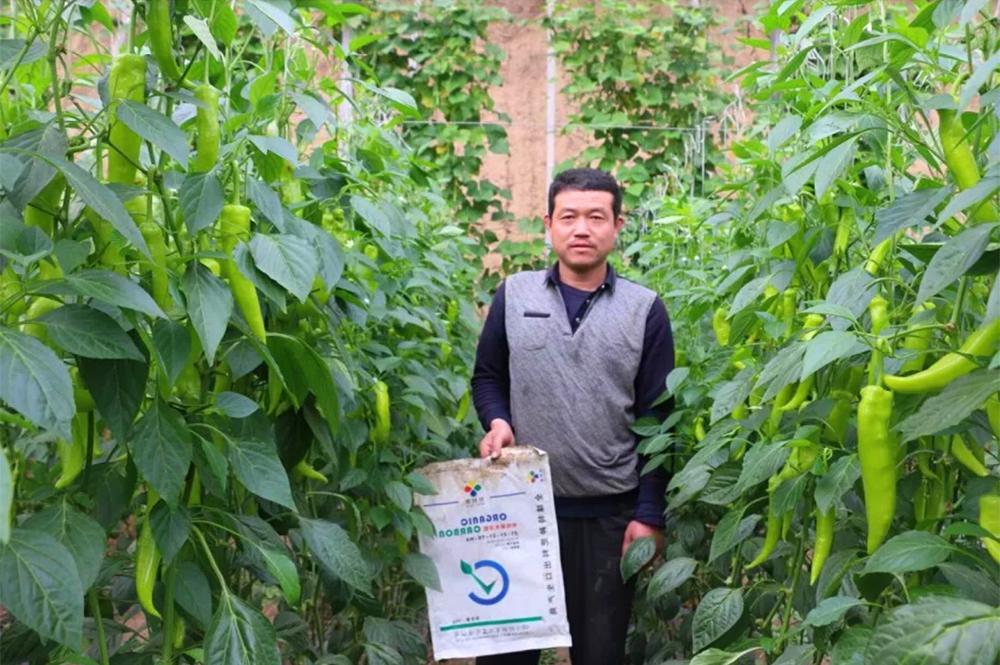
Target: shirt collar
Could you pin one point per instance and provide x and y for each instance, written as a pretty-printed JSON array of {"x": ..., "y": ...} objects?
[{"x": 552, "y": 277}]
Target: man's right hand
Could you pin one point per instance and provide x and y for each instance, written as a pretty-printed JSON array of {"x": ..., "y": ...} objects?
[{"x": 499, "y": 436}]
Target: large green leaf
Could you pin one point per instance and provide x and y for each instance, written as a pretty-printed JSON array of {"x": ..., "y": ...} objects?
[
  {"x": 762, "y": 461},
  {"x": 828, "y": 347},
  {"x": 253, "y": 457},
  {"x": 209, "y": 304},
  {"x": 87, "y": 332},
  {"x": 909, "y": 551},
  {"x": 161, "y": 450},
  {"x": 105, "y": 286},
  {"x": 172, "y": 343},
  {"x": 732, "y": 529},
  {"x": 671, "y": 576},
  {"x": 288, "y": 260},
  {"x": 639, "y": 553},
  {"x": 201, "y": 198},
  {"x": 731, "y": 394},
  {"x": 720, "y": 657},
  {"x": 718, "y": 611},
  {"x": 831, "y": 609},
  {"x": 336, "y": 553},
  {"x": 80, "y": 535},
  {"x": 118, "y": 387},
  {"x": 937, "y": 630},
  {"x": 240, "y": 635},
  {"x": 283, "y": 569},
  {"x": 6, "y": 497},
  {"x": 837, "y": 481},
  {"x": 171, "y": 527},
  {"x": 35, "y": 382},
  {"x": 908, "y": 210},
  {"x": 193, "y": 592},
  {"x": 953, "y": 260},
  {"x": 951, "y": 406},
  {"x": 399, "y": 494},
  {"x": 423, "y": 569},
  {"x": 156, "y": 128},
  {"x": 39, "y": 585}
]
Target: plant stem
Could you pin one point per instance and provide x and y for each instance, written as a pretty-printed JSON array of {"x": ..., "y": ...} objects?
[
  {"x": 169, "y": 615},
  {"x": 52, "y": 57},
  {"x": 95, "y": 611},
  {"x": 787, "y": 619}
]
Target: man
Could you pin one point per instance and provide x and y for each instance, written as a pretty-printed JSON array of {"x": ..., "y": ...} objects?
[{"x": 568, "y": 359}]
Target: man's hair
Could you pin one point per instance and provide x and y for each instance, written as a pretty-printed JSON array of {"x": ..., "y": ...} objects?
[{"x": 586, "y": 180}]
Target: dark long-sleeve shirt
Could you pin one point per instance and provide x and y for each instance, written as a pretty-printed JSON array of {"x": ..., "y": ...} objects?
[{"x": 491, "y": 390}]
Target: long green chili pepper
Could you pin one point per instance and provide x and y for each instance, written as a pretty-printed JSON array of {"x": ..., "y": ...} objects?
[
  {"x": 721, "y": 326},
  {"x": 127, "y": 81},
  {"x": 842, "y": 237},
  {"x": 962, "y": 162},
  {"x": 73, "y": 454},
  {"x": 147, "y": 559},
  {"x": 989, "y": 519},
  {"x": 982, "y": 342},
  {"x": 917, "y": 343},
  {"x": 825, "y": 522},
  {"x": 383, "y": 423},
  {"x": 873, "y": 265},
  {"x": 992, "y": 408},
  {"x": 234, "y": 226},
  {"x": 42, "y": 210},
  {"x": 789, "y": 300},
  {"x": 877, "y": 452},
  {"x": 772, "y": 535},
  {"x": 966, "y": 457},
  {"x": 161, "y": 41},
  {"x": 207, "y": 123}
]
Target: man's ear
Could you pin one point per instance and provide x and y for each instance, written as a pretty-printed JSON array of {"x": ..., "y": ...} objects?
[
  {"x": 619, "y": 222},
  {"x": 547, "y": 221}
]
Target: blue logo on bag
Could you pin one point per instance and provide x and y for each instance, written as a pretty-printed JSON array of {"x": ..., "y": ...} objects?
[{"x": 493, "y": 592}]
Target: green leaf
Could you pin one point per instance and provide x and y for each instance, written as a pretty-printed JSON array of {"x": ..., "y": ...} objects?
[
  {"x": 82, "y": 537},
  {"x": 972, "y": 583},
  {"x": 718, "y": 611},
  {"x": 731, "y": 394},
  {"x": 193, "y": 592},
  {"x": 640, "y": 552},
  {"x": 161, "y": 450},
  {"x": 117, "y": 387},
  {"x": 671, "y": 576},
  {"x": 953, "y": 260},
  {"x": 373, "y": 215},
  {"x": 831, "y": 609},
  {"x": 283, "y": 569},
  {"x": 852, "y": 291},
  {"x": 209, "y": 304},
  {"x": 909, "y": 551},
  {"x": 40, "y": 586},
  {"x": 278, "y": 16},
  {"x": 828, "y": 347},
  {"x": 837, "y": 481},
  {"x": 939, "y": 630},
  {"x": 255, "y": 462},
  {"x": 266, "y": 201},
  {"x": 399, "y": 494},
  {"x": 6, "y": 497},
  {"x": 156, "y": 128},
  {"x": 466, "y": 568},
  {"x": 107, "y": 287},
  {"x": 240, "y": 635},
  {"x": 951, "y": 406},
  {"x": 832, "y": 164},
  {"x": 235, "y": 405},
  {"x": 720, "y": 657},
  {"x": 785, "y": 129},
  {"x": 87, "y": 332},
  {"x": 288, "y": 260},
  {"x": 850, "y": 648},
  {"x": 422, "y": 568},
  {"x": 172, "y": 344},
  {"x": 171, "y": 527},
  {"x": 203, "y": 32},
  {"x": 201, "y": 199},
  {"x": 336, "y": 553},
  {"x": 910, "y": 209},
  {"x": 35, "y": 383},
  {"x": 213, "y": 467},
  {"x": 421, "y": 484},
  {"x": 762, "y": 461},
  {"x": 103, "y": 202},
  {"x": 732, "y": 529}
]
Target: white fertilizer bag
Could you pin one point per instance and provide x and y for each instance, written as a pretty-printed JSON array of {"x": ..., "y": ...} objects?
[{"x": 497, "y": 552}]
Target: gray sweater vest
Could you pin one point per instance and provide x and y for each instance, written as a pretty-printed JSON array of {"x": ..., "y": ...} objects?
[{"x": 573, "y": 394}]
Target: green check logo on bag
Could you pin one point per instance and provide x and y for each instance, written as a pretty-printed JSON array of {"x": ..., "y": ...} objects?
[{"x": 487, "y": 589}]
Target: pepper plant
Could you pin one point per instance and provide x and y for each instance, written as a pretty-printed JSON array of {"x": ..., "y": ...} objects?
[
  {"x": 230, "y": 330},
  {"x": 836, "y": 302}
]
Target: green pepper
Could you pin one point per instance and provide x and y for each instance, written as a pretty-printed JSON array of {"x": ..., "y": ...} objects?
[
  {"x": 877, "y": 453},
  {"x": 42, "y": 210},
  {"x": 873, "y": 265},
  {"x": 982, "y": 342},
  {"x": 966, "y": 457},
  {"x": 73, "y": 453},
  {"x": 992, "y": 408},
  {"x": 825, "y": 522},
  {"x": 878, "y": 310},
  {"x": 962, "y": 162},
  {"x": 235, "y": 226},
  {"x": 989, "y": 519},
  {"x": 39, "y": 307},
  {"x": 383, "y": 423},
  {"x": 840, "y": 415},
  {"x": 306, "y": 470},
  {"x": 772, "y": 535},
  {"x": 156, "y": 265},
  {"x": 161, "y": 41},
  {"x": 789, "y": 300},
  {"x": 127, "y": 81},
  {"x": 207, "y": 123},
  {"x": 917, "y": 343},
  {"x": 721, "y": 326},
  {"x": 842, "y": 236},
  {"x": 147, "y": 559},
  {"x": 463, "y": 407}
]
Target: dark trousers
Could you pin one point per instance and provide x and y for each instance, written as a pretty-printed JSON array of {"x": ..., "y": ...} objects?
[{"x": 597, "y": 601}]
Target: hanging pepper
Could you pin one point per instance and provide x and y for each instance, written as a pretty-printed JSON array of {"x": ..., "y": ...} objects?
[
  {"x": 982, "y": 342},
  {"x": 824, "y": 541},
  {"x": 989, "y": 519},
  {"x": 966, "y": 457},
  {"x": 840, "y": 415},
  {"x": 73, "y": 453},
  {"x": 235, "y": 226},
  {"x": 463, "y": 407},
  {"x": 992, "y": 408},
  {"x": 877, "y": 453},
  {"x": 789, "y": 300},
  {"x": 962, "y": 162},
  {"x": 207, "y": 124},
  {"x": 721, "y": 326},
  {"x": 147, "y": 559},
  {"x": 772, "y": 535},
  {"x": 842, "y": 237},
  {"x": 917, "y": 343},
  {"x": 306, "y": 470},
  {"x": 39, "y": 307},
  {"x": 41, "y": 212},
  {"x": 127, "y": 81},
  {"x": 383, "y": 422},
  {"x": 161, "y": 41},
  {"x": 873, "y": 265},
  {"x": 155, "y": 266}
]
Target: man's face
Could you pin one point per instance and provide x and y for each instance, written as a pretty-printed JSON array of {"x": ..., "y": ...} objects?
[{"x": 583, "y": 228}]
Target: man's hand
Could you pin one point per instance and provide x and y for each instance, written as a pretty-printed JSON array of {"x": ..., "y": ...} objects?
[
  {"x": 636, "y": 530},
  {"x": 499, "y": 436}
]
